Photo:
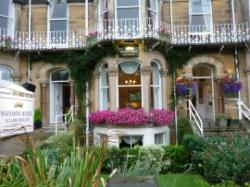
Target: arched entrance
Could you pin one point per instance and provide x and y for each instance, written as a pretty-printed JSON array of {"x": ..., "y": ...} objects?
[
  {"x": 59, "y": 94},
  {"x": 204, "y": 100}
]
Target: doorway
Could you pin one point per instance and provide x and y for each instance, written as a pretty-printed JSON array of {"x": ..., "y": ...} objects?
[
  {"x": 59, "y": 94},
  {"x": 204, "y": 100}
]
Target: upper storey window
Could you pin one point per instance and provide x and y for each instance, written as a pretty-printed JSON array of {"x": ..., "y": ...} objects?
[
  {"x": 58, "y": 21},
  {"x": 103, "y": 9},
  {"x": 200, "y": 12},
  {"x": 128, "y": 9},
  {"x": 6, "y": 17},
  {"x": 152, "y": 8},
  {"x": 127, "y": 14}
]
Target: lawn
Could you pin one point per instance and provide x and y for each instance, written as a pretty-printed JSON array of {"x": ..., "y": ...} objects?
[{"x": 181, "y": 180}]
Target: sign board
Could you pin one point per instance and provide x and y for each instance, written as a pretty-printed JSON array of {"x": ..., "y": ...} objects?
[
  {"x": 16, "y": 109},
  {"x": 128, "y": 51}
]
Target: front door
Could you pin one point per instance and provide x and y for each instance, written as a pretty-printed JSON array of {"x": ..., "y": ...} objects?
[
  {"x": 55, "y": 101},
  {"x": 204, "y": 99}
]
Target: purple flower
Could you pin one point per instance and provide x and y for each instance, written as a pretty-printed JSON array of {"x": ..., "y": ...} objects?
[
  {"x": 232, "y": 87},
  {"x": 131, "y": 117}
]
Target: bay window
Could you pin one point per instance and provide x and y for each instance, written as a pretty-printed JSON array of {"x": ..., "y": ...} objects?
[{"x": 58, "y": 21}]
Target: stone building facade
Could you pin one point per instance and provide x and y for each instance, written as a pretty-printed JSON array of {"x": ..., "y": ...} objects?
[{"x": 218, "y": 28}]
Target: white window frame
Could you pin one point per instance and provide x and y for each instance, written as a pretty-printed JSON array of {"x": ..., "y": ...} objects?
[
  {"x": 101, "y": 88},
  {"x": 100, "y": 12},
  {"x": 154, "y": 11},
  {"x": 9, "y": 31},
  {"x": 157, "y": 86},
  {"x": 128, "y": 85},
  {"x": 7, "y": 68},
  {"x": 130, "y": 137},
  {"x": 127, "y": 7},
  {"x": 57, "y": 19},
  {"x": 164, "y": 138},
  {"x": 201, "y": 14}
]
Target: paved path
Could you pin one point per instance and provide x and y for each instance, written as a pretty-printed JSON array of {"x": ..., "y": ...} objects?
[{"x": 15, "y": 145}]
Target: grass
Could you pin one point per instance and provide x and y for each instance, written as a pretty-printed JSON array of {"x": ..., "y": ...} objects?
[{"x": 181, "y": 180}]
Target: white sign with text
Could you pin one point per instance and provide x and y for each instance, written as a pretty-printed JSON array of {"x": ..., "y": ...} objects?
[{"x": 16, "y": 114}]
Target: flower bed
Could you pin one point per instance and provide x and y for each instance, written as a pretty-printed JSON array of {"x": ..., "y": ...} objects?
[{"x": 131, "y": 117}]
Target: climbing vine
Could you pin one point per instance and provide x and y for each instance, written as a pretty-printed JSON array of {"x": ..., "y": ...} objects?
[{"x": 81, "y": 64}]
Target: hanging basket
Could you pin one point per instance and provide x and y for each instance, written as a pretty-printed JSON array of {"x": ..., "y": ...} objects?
[{"x": 232, "y": 95}]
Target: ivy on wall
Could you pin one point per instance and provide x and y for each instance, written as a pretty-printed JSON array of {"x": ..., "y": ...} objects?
[{"x": 81, "y": 64}]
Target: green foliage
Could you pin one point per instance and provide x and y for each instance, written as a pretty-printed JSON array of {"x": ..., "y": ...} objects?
[
  {"x": 184, "y": 127},
  {"x": 10, "y": 173},
  {"x": 81, "y": 64},
  {"x": 62, "y": 143},
  {"x": 220, "y": 159},
  {"x": 36, "y": 168},
  {"x": 176, "y": 157},
  {"x": 227, "y": 159},
  {"x": 38, "y": 116}
]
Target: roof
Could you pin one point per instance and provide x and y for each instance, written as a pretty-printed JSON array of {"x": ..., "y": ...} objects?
[{"x": 24, "y": 2}]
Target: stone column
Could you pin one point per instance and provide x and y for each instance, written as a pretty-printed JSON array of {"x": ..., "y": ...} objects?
[
  {"x": 97, "y": 91},
  {"x": 44, "y": 101},
  {"x": 164, "y": 90},
  {"x": 145, "y": 82},
  {"x": 113, "y": 73}
]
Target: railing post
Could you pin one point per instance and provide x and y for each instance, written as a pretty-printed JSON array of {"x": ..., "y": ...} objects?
[
  {"x": 240, "y": 108},
  {"x": 189, "y": 110}
]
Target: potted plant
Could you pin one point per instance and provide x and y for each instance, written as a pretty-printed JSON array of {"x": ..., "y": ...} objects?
[
  {"x": 222, "y": 119},
  {"x": 37, "y": 119}
]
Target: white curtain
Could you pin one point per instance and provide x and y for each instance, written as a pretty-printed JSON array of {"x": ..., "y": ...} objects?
[
  {"x": 156, "y": 86},
  {"x": 129, "y": 67},
  {"x": 104, "y": 89}
]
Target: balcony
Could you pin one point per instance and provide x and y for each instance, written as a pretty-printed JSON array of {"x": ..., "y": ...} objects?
[{"x": 127, "y": 29}]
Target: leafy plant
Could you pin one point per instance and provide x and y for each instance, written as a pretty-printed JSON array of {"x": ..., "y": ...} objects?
[
  {"x": 184, "y": 127},
  {"x": 38, "y": 116}
]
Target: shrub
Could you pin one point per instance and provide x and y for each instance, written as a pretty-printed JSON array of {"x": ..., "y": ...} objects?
[
  {"x": 61, "y": 142},
  {"x": 177, "y": 158},
  {"x": 184, "y": 127},
  {"x": 38, "y": 116},
  {"x": 220, "y": 159},
  {"x": 227, "y": 159}
]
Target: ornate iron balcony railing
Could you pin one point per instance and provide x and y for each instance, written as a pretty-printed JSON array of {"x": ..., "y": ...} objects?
[{"x": 126, "y": 29}]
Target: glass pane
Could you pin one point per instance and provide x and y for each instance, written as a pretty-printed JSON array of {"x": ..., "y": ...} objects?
[
  {"x": 58, "y": 10},
  {"x": 3, "y": 22},
  {"x": 61, "y": 75},
  {"x": 200, "y": 6},
  {"x": 5, "y": 74},
  {"x": 105, "y": 98},
  {"x": 4, "y": 7},
  {"x": 58, "y": 25},
  {"x": 197, "y": 20},
  {"x": 151, "y": 4},
  {"x": 130, "y": 97},
  {"x": 130, "y": 141},
  {"x": 127, "y": 79},
  {"x": 103, "y": 5},
  {"x": 155, "y": 74},
  {"x": 127, "y": 2},
  {"x": 159, "y": 138},
  {"x": 127, "y": 13}
]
